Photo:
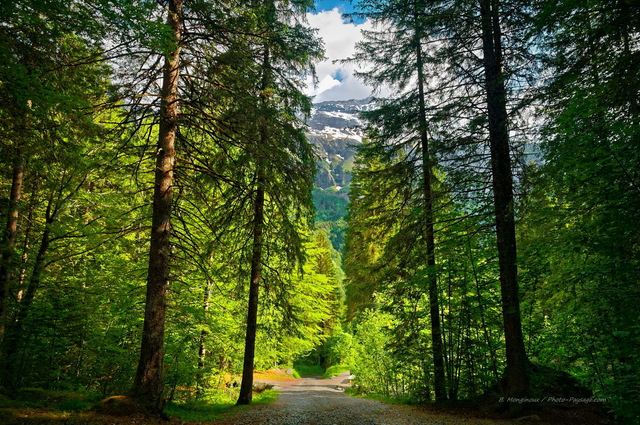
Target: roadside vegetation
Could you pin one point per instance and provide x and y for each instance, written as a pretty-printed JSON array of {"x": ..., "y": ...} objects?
[{"x": 159, "y": 239}]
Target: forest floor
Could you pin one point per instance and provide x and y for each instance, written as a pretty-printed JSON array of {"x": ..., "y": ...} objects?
[{"x": 316, "y": 401}]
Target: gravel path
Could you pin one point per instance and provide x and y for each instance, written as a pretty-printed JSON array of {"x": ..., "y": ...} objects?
[{"x": 314, "y": 401}]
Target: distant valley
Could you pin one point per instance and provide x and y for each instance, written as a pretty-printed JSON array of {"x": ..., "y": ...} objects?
[{"x": 335, "y": 130}]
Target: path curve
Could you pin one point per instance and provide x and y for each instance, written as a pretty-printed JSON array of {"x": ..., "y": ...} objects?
[{"x": 315, "y": 401}]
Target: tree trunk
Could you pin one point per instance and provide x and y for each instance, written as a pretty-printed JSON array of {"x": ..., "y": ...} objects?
[
  {"x": 427, "y": 172},
  {"x": 202, "y": 346},
  {"x": 252, "y": 308},
  {"x": 24, "y": 260},
  {"x": 256, "y": 257},
  {"x": 12, "y": 233},
  {"x": 148, "y": 385},
  {"x": 14, "y": 331},
  {"x": 516, "y": 372}
]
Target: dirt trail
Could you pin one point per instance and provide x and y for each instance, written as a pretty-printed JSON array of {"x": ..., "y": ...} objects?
[{"x": 314, "y": 401}]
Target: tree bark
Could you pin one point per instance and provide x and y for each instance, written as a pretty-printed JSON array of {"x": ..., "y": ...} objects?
[
  {"x": 432, "y": 277},
  {"x": 202, "y": 346},
  {"x": 246, "y": 386},
  {"x": 14, "y": 331},
  {"x": 12, "y": 233},
  {"x": 24, "y": 259},
  {"x": 148, "y": 384},
  {"x": 516, "y": 371}
]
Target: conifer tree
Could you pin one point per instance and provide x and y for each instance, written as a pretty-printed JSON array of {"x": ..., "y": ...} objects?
[
  {"x": 582, "y": 214},
  {"x": 279, "y": 152},
  {"x": 149, "y": 385},
  {"x": 516, "y": 373},
  {"x": 401, "y": 127},
  {"x": 463, "y": 68},
  {"x": 49, "y": 92}
]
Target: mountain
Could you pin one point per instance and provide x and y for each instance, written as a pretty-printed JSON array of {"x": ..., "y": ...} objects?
[{"x": 335, "y": 130}]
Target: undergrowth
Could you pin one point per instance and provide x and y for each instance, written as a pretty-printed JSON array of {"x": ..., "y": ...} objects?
[
  {"x": 307, "y": 370},
  {"x": 355, "y": 392},
  {"x": 61, "y": 402},
  {"x": 205, "y": 411},
  {"x": 335, "y": 371},
  {"x": 38, "y": 398}
]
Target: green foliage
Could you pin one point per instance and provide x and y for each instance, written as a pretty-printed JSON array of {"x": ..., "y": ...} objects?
[
  {"x": 301, "y": 317},
  {"x": 581, "y": 262},
  {"x": 338, "y": 348},
  {"x": 580, "y": 282},
  {"x": 77, "y": 284},
  {"x": 331, "y": 209},
  {"x": 266, "y": 397},
  {"x": 386, "y": 270},
  {"x": 199, "y": 411},
  {"x": 66, "y": 401},
  {"x": 330, "y": 206},
  {"x": 83, "y": 121},
  {"x": 209, "y": 410},
  {"x": 399, "y": 399},
  {"x": 335, "y": 371},
  {"x": 376, "y": 369},
  {"x": 302, "y": 370}
]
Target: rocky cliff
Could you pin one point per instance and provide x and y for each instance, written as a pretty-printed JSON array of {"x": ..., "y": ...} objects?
[{"x": 335, "y": 130}]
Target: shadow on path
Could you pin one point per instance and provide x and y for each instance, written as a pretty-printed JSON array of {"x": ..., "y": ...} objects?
[{"x": 316, "y": 401}]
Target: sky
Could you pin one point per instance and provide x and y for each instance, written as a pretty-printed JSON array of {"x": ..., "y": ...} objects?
[
  {"x": 336, "y": 80},
  {"x": 343, "y": 6}
]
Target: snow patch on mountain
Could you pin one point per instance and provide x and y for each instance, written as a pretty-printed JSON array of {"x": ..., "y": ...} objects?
[{"x": 335, "y": 129}]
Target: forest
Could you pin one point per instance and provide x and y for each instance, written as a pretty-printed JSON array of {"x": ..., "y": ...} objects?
[{"x": 159, "y": 235}]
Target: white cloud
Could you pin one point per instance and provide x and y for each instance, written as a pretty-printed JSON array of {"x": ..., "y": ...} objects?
[{"x": 336, "y": 80}]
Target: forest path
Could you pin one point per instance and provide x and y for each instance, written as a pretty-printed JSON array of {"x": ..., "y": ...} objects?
[{"x": 315, "y": 401}]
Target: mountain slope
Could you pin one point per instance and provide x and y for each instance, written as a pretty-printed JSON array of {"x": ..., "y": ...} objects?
[{"x": 335, "y": 130}]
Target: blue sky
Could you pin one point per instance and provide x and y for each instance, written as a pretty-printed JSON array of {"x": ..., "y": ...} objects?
[
  {"x": 336, "y": 80},
  {"x": 343, "y": 6}
]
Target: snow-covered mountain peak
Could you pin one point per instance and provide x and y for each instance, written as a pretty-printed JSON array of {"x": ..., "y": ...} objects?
[
  {"x": 339, "y": 118},
  {"x": 336, "y": 129}
]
